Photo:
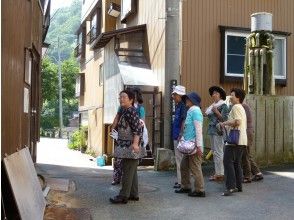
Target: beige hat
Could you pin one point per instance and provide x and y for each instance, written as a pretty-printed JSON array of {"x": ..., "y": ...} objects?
[{"x": 180, "y": 90}]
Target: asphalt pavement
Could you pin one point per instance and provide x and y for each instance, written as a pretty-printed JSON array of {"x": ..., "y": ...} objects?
[{"x": 271, "y": 198}]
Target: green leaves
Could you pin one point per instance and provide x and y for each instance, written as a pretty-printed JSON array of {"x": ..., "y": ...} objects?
[{"x": 69, "y": 71}]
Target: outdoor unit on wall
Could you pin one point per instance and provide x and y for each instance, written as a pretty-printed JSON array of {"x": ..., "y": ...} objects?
[{"x": 114, "y": 10}]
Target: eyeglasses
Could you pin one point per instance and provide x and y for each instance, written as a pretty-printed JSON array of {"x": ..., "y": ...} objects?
[{"x": 123, "y": 97}]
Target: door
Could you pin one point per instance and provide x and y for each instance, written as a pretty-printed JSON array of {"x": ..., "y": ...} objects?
[
  {"x": 153, "y": 119},
  {"x": 35, "y": 102},
  {"x": 157, "y": 123}
]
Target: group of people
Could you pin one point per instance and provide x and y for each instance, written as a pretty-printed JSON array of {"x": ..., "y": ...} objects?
[
  {"x": 229, "y": 158},
  {"x": 224, "y": 123}
]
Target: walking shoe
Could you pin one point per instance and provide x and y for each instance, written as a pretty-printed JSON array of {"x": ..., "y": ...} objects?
[
  {"x": 219, "y": 178},
  {"x": 257, "y": 177},
  {"x": 229, "y": 192},
  {"x": 182, "y": 190},
  {"x": 119, "y": 200},
  {"x": 177, "y": 186},
  {"x": 247, "y": 180},
  {"x": 115, "y": 183},
  {"x": 197, "y": 194},
  {"x": 212, "y": 178},
  {"x": 133, "y": 198}
]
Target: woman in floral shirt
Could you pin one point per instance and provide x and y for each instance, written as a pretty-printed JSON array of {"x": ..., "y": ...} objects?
[{"x": 129, "y": 147}]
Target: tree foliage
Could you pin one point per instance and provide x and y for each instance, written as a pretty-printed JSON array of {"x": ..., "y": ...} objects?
[
  {"x": 50, "y": 92},
  {"x": 70, "y": 70},
  {"x": 49, "y": 80},
  {"x": 64, "y": 25}
]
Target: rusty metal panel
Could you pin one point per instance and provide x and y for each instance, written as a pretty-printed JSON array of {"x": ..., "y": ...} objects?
[
  {"x": 25, "y": 185},
  {"x": 61, "y": 213}
]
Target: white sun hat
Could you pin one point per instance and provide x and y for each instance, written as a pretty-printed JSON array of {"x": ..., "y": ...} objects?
[{"x": 180, "y": 90}]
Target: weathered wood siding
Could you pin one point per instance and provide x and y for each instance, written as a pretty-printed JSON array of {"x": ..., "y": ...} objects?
[
  {"x": 274, "y": 128},
  {"x": 201, "y": 38},
  {"x": 152, "y": 13},
  {"x": 21, "y": 28}
]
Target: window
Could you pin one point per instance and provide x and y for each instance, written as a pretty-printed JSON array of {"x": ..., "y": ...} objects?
[
  {"x": 233, "y": 54},
  {"x": 80, "y": 85},
  {"x": 93, "y": 25},
  {"x": 80, "y": 47},
  {"x": 101, "y": 75},
  {"x": 128, "y": 7}
]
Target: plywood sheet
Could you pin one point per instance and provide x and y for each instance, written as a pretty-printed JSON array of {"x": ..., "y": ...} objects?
[{"x": 25, "y": 185}]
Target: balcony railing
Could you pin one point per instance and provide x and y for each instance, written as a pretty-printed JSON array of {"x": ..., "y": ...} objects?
[
  {"x": 78, "y": 50},
  {"x": 92, "y": 35}
]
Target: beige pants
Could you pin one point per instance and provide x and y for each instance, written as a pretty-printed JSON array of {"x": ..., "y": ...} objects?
[
  {"x": 192, "y": 163},
  {"x": 179, "y": 157}
]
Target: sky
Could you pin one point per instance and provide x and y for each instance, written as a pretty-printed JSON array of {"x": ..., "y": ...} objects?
[{"x": 55, "y": 4}]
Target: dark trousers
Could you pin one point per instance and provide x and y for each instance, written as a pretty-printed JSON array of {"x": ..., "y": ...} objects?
[
  {"x": 129, "y": 178},
  {"x": 248, "y": 163},
  {"x": 232, "y": 165}
]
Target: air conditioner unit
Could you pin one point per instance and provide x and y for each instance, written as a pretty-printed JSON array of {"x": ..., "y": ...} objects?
[{"x": 114, "y": 10}]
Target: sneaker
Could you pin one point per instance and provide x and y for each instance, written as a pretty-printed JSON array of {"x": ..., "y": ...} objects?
[
  {"x": 177, "y": 186},
  {"x": 118, "y": 200},
  {"x": 197, "y": 194},
  {"x": 257, "y": 177},
  {"x": 229, "y": 192},
  {"x": 115, "y": 183},
  {"x": 182, "y": 190},
  {"x": 133, "y": 198}
]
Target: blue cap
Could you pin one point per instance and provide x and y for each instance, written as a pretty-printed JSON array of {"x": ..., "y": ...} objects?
[{"x": 193, "y": 97}]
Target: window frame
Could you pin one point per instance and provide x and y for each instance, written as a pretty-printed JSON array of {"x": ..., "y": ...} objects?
[
  {"x": 132, "y": 10},
  {"x": 236, "y": 31},
  {"x": 101, "y": 74}
]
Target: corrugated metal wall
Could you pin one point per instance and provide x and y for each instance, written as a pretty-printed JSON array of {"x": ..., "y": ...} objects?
[
  {"x": 201, "y": 39},
  {"x": 152, "y": 13},
  {"x": 21, "y": 28}
]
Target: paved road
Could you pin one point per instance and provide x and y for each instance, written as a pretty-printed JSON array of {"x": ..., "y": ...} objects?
[
  {"x": 55, "y": 151},
  {"x": 273, "y": 198}
]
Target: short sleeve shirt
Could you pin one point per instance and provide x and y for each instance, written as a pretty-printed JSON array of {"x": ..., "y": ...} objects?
[
  {"x": 239, "y": 113},
  {"x": 194, "y": 114},
  {"x": 213, "y": 119}
]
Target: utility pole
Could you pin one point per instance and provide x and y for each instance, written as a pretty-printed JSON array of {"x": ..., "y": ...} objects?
[{"x": 60, "y": 92}]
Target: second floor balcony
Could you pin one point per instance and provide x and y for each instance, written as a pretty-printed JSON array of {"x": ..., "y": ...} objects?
[
  {"x": 92, "y": 34},
  {"x": 78, "y": 50}
]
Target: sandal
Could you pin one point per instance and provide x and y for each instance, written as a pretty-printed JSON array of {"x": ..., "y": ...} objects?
[
  {"x": 212, "y": 178},
  {"x": 219, "y": 178},
  {"x": 247, "y": 180},
  {"x": 229, "y": 192},
  {"x": 257, "y": 177}
]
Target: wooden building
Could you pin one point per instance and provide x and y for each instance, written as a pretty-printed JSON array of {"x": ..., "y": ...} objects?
[
  {"x": 194, "y": 43},
  {"x": 22, "y": 39},
  {"x": 213, "y": 38},
  {"x": 121, "y": 47},
  {"x": 24, "y": 25}
]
